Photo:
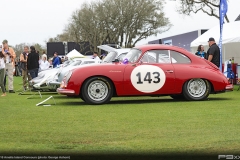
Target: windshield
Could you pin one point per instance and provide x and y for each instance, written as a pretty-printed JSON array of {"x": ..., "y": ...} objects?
[
  {"x": 133, "y": 55},
  {"x": 110, "y": 57}
]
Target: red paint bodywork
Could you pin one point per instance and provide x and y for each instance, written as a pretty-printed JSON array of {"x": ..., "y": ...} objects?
[{"x": 119, "y": 74}]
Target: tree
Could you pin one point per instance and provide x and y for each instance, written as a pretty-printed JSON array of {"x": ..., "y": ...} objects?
[
  {"x": 39, "y": 48},
  {"x": 18, "y": 48},
  {"x": 121, "y": 22},
  {"x": 210, "y": 7}
]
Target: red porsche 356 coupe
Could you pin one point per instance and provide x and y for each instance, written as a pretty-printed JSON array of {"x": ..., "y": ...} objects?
[{"x": 148, "y": 70}]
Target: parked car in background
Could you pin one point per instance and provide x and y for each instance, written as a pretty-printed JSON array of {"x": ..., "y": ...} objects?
[
  {"x": 40, "y": 81},
  {"x": 54, "y": 82}
]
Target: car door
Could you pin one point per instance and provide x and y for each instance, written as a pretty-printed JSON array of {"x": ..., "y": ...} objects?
[{"x": 153, "y": 75}]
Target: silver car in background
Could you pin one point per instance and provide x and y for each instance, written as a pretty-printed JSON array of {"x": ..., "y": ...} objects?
[
  {"x": 55, "y": 81},
  {"x": 112, "y": 55},
  {"x": 40, "y": 82}
]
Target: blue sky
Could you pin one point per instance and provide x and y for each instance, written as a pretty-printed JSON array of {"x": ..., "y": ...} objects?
[{"x": 34, "y": 21}]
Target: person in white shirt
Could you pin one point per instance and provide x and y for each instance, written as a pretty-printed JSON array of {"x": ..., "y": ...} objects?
[
  {"x": 95, "y": 56},
  {"x": 43, "y": 63},
  {"x": 2, "y": 72}
]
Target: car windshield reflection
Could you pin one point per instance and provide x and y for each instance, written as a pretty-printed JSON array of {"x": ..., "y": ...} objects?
[
  {"x": 110, "y": 57},
  {"x": 133, "y": 55}
]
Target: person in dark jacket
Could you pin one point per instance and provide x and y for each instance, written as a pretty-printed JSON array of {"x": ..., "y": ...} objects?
[
  {"x": 213, "y": 53},
  {"x": 200, "y": 52},
  {"x": 33, "y": 62}
]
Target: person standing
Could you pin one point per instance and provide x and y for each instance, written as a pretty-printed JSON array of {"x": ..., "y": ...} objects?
[
  {"x": 2, "y": 72},
  {"x": 4, "y": 79},
  {"x": 56, "y": 60},
  {"x": 213, "y": 53},
  {"x": 10, "y": 56},
  {"x": 33, "y": 62},
  {"x": 200, "y": 52},
  {"x": 23, "y": 66}
]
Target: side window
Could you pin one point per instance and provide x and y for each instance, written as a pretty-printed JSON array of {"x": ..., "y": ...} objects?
[
  {"x": 159, "y": 56},
  {"x": 156, "y": 56},
  {"x": 149, "y": 57},
  {"x": 179, "y": 57},
  {"x": 163, "y": 56}
]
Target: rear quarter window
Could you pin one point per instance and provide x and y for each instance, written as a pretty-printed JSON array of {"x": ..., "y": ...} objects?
[{"x": 179, "y": 58}]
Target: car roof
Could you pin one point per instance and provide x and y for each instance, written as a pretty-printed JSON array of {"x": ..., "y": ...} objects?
[{"x": 160, "y": 46}]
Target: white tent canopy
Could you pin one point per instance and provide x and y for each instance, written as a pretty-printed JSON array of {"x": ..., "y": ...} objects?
[
  {"x": 230, "y": 40},
  {"x": 74, "y": 53}
]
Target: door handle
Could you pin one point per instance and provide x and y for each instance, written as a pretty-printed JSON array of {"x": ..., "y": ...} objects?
[{"x": 169, "y": 71}]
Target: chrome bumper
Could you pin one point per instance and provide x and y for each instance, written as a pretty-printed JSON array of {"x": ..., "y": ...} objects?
[
  {"x": 229, "y": 87},
  {"x": 65, "y": 91}
]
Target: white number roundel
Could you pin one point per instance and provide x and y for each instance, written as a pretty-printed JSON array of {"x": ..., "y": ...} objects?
[{"x": 148, "y": 78}]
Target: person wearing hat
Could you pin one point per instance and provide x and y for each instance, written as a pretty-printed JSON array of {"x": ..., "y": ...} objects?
[
  {"x": 213, "y": 53},
  {"x": 10, "y": 57}
]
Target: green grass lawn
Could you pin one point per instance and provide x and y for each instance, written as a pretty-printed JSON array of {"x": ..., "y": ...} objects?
[{"x": 125, "y": 125}]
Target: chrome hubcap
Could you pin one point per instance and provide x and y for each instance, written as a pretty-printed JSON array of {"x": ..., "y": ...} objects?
[
  {"x": 196, "y": 88},
  {"x": 97, "y": 90}
]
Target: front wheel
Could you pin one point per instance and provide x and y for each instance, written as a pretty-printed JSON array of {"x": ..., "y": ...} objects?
[
  {"x": 97, "y": 90},
  {"x": 196, "y": 89},
  {"x": 177, "y": 97},
  {"x": 72, "y": 96},
  {"x": 81, "y": 97}
]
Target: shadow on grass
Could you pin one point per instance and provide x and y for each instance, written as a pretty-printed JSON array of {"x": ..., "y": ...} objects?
[
  {"x": 136, "y": 101},
  {"x": 218, "y": 98},
  {"x": 36, "y": 93}
]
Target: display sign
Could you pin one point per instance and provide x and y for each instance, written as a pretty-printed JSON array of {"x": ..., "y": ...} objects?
[{"x": 167, "y": 42}]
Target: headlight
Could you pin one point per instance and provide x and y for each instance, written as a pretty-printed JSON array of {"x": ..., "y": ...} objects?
[{"x": 66, "y": 79}]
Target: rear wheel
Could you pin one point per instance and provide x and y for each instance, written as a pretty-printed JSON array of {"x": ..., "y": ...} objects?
[
  {"x": 97, "y": 90},
  {"x": 196, "y": 89}
]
